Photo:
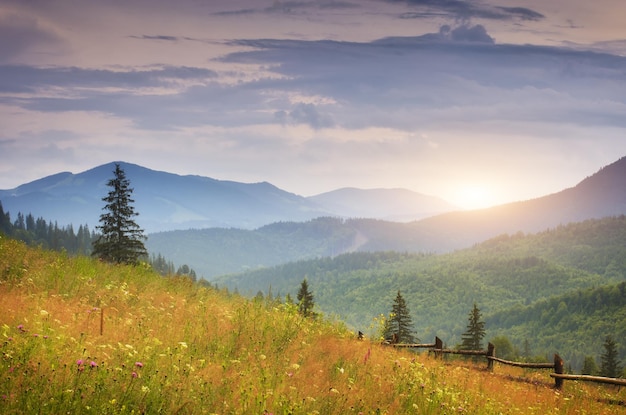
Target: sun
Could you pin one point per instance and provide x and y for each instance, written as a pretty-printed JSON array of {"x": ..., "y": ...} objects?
[{"x": 474, "y": 196}]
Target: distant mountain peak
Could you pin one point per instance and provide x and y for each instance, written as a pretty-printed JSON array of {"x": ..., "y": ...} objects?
[
  {"x": 167, "y": 201},
  {"x": 395, "y": 204}
]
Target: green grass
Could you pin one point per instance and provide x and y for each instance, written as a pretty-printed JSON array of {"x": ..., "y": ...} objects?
[{"x": 173, "y": 347}]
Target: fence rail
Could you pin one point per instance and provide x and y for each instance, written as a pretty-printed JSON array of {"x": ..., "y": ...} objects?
[
  {"x": 588, "y": 378},
  {"x": 490, "y": 354}
]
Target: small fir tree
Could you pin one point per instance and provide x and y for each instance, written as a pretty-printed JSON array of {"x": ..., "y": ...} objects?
[
  {"x": 610, "y": 365},
  {"x": 121, "y": 239},
  {"x": 589, "y": 366},
  {"x": 473, "y": 336},
  {"x": 305, "y": 300},
  {"x": 400, "y": 322}
]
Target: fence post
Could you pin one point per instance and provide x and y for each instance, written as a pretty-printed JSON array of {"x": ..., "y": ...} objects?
[
  {"x": 558, "y": 369},
  {"x": 438, "y": 347},
  {"x": 491, "y": 352}
]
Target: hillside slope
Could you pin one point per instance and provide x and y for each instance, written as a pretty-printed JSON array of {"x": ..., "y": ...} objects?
[
  {"x": 80, "y": 336},
  {"x": 499, "y": 274},
  {"x": 600, "y": 195}
]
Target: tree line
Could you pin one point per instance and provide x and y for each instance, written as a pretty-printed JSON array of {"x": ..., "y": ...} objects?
[
  {"x": 119, "y": 238},
  {"x": 48, "y": 235}
]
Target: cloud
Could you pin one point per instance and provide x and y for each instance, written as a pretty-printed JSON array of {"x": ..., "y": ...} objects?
[
  {"x": 305, "y": 114},
  {"x": 291, "y": 7},
  {"x": 461, "y": 33},
  {"x": 21, "y": 33},
  {"x": 24, "y": 78},
  {"x": 466, "y": 33},
  {"x": 409, "y": 82},
  {"x": 522, "y": 13},
  {"x": 464, "y": 10},
  {"x": 156, "y": 37},
  {"x": 454, "y": 76}
]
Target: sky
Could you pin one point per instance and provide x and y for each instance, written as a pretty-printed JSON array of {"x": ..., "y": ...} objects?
[{"x": 479, "y": 102}]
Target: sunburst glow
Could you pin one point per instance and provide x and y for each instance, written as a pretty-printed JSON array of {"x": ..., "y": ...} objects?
[{"x": 475, "y": 197}]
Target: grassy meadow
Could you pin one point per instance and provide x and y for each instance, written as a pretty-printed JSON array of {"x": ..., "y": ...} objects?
[{"x": 80, "y": 336}]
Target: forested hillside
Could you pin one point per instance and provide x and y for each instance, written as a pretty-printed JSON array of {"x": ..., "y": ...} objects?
[
  {"x": 218, "y": 251},
  {"x": 574, "y": 324},
  {"x": 504, "y": 273}
]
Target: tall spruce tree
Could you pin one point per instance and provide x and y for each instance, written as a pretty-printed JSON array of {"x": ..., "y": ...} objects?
[
  {"x": 610, "y": 365},
  {"x": 121, "y": 239},
  {"x": 305, "y": 299},
  {"x": 400, "y": 322},
  {"x": 473, "y": 336}
]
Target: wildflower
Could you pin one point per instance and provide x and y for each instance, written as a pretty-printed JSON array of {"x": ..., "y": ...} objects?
[
  {"x": 79, "y": 362},
  {"x": 21, "y": 328},
  {"x": 139, "y": 364},
  {"x": 93, "y": 364},
  {"x": 134, "y": 375}
]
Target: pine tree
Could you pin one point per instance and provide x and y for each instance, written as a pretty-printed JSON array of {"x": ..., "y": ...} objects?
[
  {"x": 589, "y": 366},
  {"x": 473, "y": 336},
  {"x": 400, "y": 322},
  {"x": 5, "y": 221},
  {"x": 609, "y": 363},
  {"x": 305, "y": 299},
  {"x": 121, "y": 239}
]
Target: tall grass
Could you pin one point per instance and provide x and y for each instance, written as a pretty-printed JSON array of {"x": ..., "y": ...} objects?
[{"x": 170, "y": 346}]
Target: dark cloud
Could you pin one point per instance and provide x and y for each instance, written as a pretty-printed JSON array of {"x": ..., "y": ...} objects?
[
  {"x": 292, "y": 7},
  {"x": 22, "y": 78},
  {"x": 465, "y": 9},
  {"x": 522, "y": 13},
  {"x": 157, "y": 37},
  {"x": 455, "y": 75},
  {"x": 403, "y": 81},
  {"x": 465, "y": 33},
  {"x": 461, "y": 33}
]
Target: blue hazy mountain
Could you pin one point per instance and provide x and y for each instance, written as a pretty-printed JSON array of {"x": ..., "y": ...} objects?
[{"x": 168, "y": 201}]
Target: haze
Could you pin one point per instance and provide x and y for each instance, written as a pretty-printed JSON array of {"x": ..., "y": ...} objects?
[{"x": 477, "y": 102}]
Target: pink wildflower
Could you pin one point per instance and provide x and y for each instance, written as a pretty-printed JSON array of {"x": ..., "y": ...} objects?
[
  {"x": 139, "y": 364},
  {"x": 367, "y": 356},
  {"x": 134, "y": 374}
]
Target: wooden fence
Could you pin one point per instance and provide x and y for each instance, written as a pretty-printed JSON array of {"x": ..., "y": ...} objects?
[{"x": 490, "y": 354}]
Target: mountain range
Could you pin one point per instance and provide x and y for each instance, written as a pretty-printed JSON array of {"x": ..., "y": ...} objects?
[
  {"x": 168, "y": 201},
  {"x": 213, "y": 252},
  {"x": 237, "y": 226}
]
